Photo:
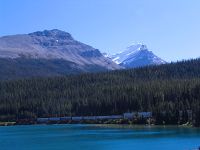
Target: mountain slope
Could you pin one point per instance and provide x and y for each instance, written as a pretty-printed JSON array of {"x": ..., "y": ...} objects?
[
  {"x": 136, "y": 56},
  {"x": 48, "y": 49},
  {"x": 164, "y": 90}
]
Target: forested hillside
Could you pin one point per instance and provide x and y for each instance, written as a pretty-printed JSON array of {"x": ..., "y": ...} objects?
[{"x": 165, "y": 90}]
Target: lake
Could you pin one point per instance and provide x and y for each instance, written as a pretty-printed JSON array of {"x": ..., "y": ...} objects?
[{"x": 97, "y": 137}]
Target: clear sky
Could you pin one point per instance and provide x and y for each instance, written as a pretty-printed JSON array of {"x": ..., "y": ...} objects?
[{"x": 170, "y": 28}]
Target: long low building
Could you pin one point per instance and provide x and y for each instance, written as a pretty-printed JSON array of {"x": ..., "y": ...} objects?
[
  {"x": 80, "y": 118},
  {"x": 65, "y": 118},
  {"x": 137, "y": 114}
]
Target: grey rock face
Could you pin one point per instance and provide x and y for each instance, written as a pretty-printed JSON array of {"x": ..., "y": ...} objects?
[
  {"x": 53, "y": 44},
  {"x": 55, "y": 33}
]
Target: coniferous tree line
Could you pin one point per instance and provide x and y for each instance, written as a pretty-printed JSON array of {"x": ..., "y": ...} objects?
[{"x": 165, "y": 90}]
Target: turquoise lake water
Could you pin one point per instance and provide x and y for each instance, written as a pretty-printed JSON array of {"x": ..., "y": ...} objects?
[{"x": 92, "y": 137}]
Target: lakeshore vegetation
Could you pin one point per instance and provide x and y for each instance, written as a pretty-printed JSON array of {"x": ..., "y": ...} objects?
[{"x": 164, "y": 90}]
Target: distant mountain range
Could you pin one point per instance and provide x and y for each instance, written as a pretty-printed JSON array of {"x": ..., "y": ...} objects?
[
  {"x": 49, "y": 53},
  {"x": 136, "y": 55},
  {"x": 55, "y": 52}
]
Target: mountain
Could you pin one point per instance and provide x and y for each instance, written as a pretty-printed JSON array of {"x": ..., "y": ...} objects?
[
  {"x": 47, "y": 53},
  {"x": 136, "y": 55}
]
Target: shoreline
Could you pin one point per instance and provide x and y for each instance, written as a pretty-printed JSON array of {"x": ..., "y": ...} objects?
[
  {"x": 139, "y": 126},
  {"x": 113, "y": 125}
]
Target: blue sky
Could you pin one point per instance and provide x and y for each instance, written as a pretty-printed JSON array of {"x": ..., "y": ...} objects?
[{"x": 170, "y": 28}]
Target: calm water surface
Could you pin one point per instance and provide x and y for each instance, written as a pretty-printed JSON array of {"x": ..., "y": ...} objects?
[{"x": 92, "y": 137}]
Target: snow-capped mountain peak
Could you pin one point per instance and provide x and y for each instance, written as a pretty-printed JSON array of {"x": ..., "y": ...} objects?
[
  {"x": 135, "y": 56},
  {"x": 130, "y": 51}
]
